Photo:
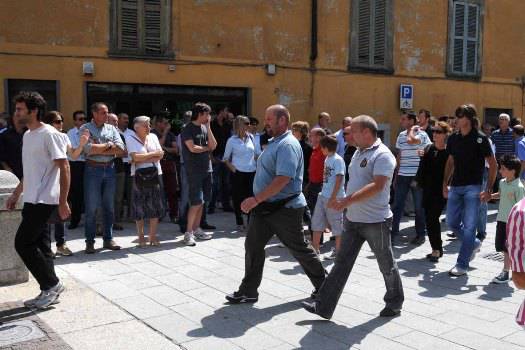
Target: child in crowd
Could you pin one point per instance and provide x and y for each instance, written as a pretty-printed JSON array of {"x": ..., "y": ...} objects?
[
  {"x": 511, "y": 191},
  {"x": 516, "y": 251},
  {"x": 333, "y": 178}
]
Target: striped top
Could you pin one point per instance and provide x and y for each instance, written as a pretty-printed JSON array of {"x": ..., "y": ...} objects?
[
  {"x": 516, "y": 246},
  {"x": 504, "y": 142},
  {"x": 409, "y": 159}
]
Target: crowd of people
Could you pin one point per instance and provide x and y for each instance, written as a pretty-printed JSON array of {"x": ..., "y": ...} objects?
[{"x": 273, "y": 182}]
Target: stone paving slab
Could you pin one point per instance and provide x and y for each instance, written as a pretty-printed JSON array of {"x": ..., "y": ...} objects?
[{"x": 174, "y": 295}]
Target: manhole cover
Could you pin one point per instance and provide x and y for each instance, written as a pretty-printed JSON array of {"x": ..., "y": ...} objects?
[{"x": 19, "y": 331}]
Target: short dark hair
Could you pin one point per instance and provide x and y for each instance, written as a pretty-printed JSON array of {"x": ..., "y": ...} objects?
[
  {"x": 253, "y": 121},
  {"x": 75, "y": 113},
  {"x": 96, "y": 106},
  {"x": 511, "y": 162},
  {"x": 467, "y": 110},
  {"x": 198, "y": 109},
  {"x": 411, "y": 115},
  {"x": 33, "y": 100},
  {"x": 425, "y": 111},
  {"x": 519, "y": 130},
  {"x": 221, "y": 108},
  {"x": 50, "y": 116},
  {"x": 329, "y": 142}
]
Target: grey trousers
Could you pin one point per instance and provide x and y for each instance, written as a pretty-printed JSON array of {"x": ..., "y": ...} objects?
[
  {"x": 287, "y": 224},
  {"x": 354, "y": 235}
]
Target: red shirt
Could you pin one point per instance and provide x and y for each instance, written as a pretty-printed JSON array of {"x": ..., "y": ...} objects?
[{"x": 316, "y": 167}]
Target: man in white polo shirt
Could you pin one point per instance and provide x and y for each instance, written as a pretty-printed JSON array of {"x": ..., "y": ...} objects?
[
  {"x": 367, "y": 218},
  {"x": 45, "y": 185}
]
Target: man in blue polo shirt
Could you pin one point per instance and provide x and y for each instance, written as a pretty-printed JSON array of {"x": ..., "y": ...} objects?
[{"x": 276, "y": 208}]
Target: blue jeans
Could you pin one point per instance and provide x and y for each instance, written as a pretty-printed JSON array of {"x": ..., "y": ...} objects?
[
  {"x": 99, "y": 191},
  {"x": 462, "y": 218},
  {"x": 483, "y": 208},
  {"x": 404, "y": 184}
]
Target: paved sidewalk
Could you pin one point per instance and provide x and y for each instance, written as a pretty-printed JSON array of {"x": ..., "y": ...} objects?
[{"x": 172, "y": 297}]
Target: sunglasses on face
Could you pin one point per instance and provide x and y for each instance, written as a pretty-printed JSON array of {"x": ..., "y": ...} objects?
[
  {"x": 246, "y": 124},
  {"x": 57, "y": 121},
  {"x": 81, "y": 119},
  {"x": 346, "y": 133}
]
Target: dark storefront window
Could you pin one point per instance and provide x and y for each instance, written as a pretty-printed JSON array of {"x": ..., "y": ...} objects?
[
  {"x": 47, "y": 88},
  {"x": 145, "y": 99}
]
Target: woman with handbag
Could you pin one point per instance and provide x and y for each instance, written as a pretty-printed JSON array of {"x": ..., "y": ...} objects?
[{"x": 147, "y": 202}]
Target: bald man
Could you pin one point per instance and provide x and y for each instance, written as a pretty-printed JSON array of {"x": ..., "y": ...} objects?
[
  {"x": 276, "y": 208},
  {"x": 339, "y": 135}
]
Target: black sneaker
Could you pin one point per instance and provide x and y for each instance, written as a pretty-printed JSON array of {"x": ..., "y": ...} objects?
[
  {"x": 312, "y": 308},
  {"x": 452, "y": 235},
  {"x": 239, "y": 298},
  {"x": 388, "y": 312}
]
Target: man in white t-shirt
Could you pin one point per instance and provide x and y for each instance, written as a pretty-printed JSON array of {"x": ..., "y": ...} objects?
[
  {"x": 408, "y": 143},
  {"x": 45, "y": 185}
]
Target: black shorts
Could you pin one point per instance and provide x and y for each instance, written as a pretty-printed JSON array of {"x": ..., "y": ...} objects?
[{"x": 501, "y": 236}]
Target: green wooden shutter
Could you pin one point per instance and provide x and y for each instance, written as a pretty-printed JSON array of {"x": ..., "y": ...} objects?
[
  {"x": 152, "y": 26},
  {"x": 128, "y": 25},
  {"x": 465, "y": 38},
  {"x": 472, "y": 39},
  {"x": 379, "y": 39},
  {"x": 364, "y": 32}
]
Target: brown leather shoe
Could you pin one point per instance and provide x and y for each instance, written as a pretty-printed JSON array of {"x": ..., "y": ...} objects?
[
  {"x": 90, "y": 248},
  {"x": 111, "y": 245}
]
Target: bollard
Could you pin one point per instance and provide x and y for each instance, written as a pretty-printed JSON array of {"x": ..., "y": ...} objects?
[{"x": 12, "y": 269}]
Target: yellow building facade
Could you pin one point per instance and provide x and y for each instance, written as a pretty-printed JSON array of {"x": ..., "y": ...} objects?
[{"x": 346, "y": 57}]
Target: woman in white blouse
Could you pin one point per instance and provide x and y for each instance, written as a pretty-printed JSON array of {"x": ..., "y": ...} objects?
[
  {"x": 239, "y": 156},
  {"x": 146, "y": 198}
]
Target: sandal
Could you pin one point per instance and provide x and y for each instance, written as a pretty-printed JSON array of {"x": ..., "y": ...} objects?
[
  {"x": 142, "y": 243},
  {"x": 154, "y": 243}
]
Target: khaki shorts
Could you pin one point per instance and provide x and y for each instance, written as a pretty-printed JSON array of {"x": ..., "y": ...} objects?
[{"x": 326, "y": 217}]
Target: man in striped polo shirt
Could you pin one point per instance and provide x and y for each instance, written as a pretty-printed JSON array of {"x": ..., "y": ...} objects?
[
  {"x": 502, "y": 137},
  {"x": 408, "y": 143},
  {"x": 516, "y": 250}
]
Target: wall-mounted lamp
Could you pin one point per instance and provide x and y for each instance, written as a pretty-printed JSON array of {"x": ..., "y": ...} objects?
[
  {"x": 88, "y": 68},
  {"x": 271, "y": 69}
]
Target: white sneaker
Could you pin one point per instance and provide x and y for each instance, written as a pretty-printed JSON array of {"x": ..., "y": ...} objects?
[
  {"x": 189, "y": 240},
  {"x": 49, "y": 297},
  {"x": 332, "y": 255},
  {"x": 203, "y": 236},
  {"x": 457, "y": 271}
]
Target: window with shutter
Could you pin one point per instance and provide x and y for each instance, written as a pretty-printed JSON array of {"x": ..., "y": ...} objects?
[
  {"x": 371, "y": 36},
  {"x": 465, "y": 39},
  {"x": 141, "y": 28}
]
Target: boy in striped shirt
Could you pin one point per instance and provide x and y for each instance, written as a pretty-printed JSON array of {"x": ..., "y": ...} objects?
[{"x": 516, "y": 251}]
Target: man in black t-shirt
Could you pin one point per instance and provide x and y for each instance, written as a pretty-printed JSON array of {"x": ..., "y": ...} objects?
[
  {"x": 468, "y": 150},
  {"x": 197, "y": 142}
]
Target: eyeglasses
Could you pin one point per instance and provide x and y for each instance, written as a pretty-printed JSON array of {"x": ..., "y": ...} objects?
[
  {"x": 57, "y": 121},
  {"x": 346, "y": 133},
  {"x": 254, "y": 124},
  {"x": 247, "y": 123},
  {"x": 81, "y": 119},
  {"x": 437, "y": 131}
]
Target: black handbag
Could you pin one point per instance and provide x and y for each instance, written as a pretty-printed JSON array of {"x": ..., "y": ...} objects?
[{"x": 147, "y": 177}]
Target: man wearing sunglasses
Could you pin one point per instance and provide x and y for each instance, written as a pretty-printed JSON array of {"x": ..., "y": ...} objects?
[{"x": 76, "y": 190}]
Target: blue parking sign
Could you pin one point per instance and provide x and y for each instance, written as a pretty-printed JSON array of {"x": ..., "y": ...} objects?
[{"x": 406, "y": 96}]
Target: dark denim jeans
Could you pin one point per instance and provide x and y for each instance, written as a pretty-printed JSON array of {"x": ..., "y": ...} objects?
[
  {"x": 287, "y": 225},
  {"x": 220, "y": 185},
  {"x": 99, "y": 191},
  {"x": 354, "y": 235},
  {"x": 404, "y": 184},
  {"x": 462, "y": 218}
]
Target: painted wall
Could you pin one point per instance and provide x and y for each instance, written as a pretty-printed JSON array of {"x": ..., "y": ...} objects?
[{"x": 228, "y": 42}]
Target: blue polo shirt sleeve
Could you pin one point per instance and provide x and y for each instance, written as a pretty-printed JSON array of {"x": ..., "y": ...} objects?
[
  {"x": 287, "y": 161},
  {"x": 384, "y": 165},
  {"x": 520, "y": 150}
]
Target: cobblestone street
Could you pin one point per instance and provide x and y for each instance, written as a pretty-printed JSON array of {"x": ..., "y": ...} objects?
[{"x": 172, "y": 297}]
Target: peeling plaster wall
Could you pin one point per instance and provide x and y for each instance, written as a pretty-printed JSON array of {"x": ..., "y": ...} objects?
[{"x": 50, "y": 39}]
